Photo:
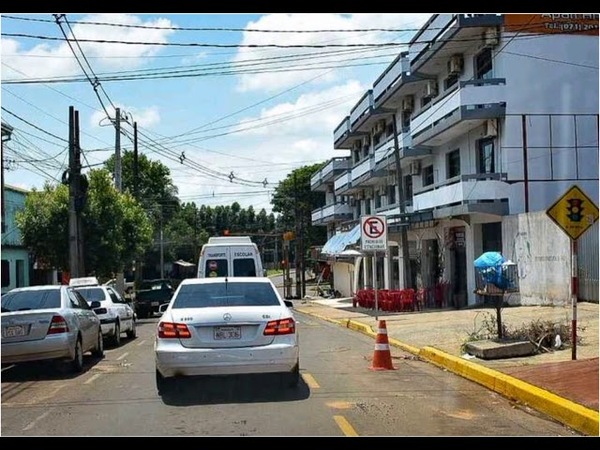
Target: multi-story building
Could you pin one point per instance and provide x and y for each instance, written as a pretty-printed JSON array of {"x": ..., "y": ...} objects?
[
  {"x": 15, "y": 257},
  {"x": 491, "y": 118}
]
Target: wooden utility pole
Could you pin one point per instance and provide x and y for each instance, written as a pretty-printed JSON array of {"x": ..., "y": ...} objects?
[{"x": 73, "y": 178}]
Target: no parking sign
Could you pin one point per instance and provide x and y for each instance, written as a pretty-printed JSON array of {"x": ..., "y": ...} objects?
[{"x": 373, "y": 233}]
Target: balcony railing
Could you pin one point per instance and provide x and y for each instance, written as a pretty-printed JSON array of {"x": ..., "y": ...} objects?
[
  {"x": 470, "y": 95},
  {"x": 463, "y": 188},
  {"x": 327, "y": 172},
  {"x": 342, "y": 128},
  {"x": 364, "y": 167},
  {"x": 332, "y": 211},
  {"x": 343, "y": 182},
  {"x": 391, "y": 76},
  {"x": 364, "y": 105}
]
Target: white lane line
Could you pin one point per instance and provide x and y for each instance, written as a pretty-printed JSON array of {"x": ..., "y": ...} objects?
[
  {"x": 122, "y": 356},
  {"x": 8, "y": 367},
  {"x": 142, "y": 343},
  {"x": 92, "y": 378},
  {"x": 34, "y": 422}
]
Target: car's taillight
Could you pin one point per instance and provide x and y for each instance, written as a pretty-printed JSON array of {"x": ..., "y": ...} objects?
[
  {"x": 100, "y": 310},
  {"x": 169, "y": 330},
  {"x": 58, "y": 325},
  {"x": 282, "y": 326}
]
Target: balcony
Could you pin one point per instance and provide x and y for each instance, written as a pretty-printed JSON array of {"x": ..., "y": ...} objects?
[
  {"x": 391, "y": 77},
  {"x": 461, "y": 31},
  {"x": 361, "y": 173},
  {"x": 465, "y": 194},
  {"x": 343, "y": 184},
  {"x": 341, "y": 134},
  {"x": 331, "y": 213},
  {"x": 327, "y": 174},
  {"x": 459, "y": 111}
]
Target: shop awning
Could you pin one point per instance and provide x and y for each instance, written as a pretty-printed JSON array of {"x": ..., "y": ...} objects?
[{"x": 338, "y": 243}]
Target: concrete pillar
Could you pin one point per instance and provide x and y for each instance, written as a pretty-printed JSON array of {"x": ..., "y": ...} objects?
[
  {"x": 473, "y": 243},
  {"x": 386, "y": 270}
]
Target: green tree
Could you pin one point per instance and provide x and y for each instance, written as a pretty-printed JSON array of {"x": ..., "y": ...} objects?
[{"x": 115, "y": 226}]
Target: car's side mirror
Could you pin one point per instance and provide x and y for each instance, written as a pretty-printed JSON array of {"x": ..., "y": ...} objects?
[
  {"x": 289, "y": 303},
  {"x": 162, "y": 308},
  {"x": 95, "y": 304}
]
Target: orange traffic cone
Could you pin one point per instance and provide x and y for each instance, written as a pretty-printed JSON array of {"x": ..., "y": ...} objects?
[{"x": 382, "y": 358}]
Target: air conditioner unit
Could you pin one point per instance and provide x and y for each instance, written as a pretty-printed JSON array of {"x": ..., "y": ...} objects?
[
  {"x": 431, "y": 89},
  {"x": 380, "y": 127},
  {"x": 408, "y": 103},
  {"x": 455, "y": 65},
  {"x": 489, "y": 128},
  {"x": 491, "y": 37},
  {"x": 414, "y": 168}
]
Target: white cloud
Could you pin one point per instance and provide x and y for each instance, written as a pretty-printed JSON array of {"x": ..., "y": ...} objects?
[
  {"x": 317, "y": 21},
  {"x": 145, "y": 117},
  {"x": 52, "y": 60}
]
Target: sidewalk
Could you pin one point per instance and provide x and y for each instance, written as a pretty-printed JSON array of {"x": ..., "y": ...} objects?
[{"x": 551, "y": 383}]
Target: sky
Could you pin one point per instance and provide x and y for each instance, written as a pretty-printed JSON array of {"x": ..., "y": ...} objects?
[{"x": 228, "y": 118}]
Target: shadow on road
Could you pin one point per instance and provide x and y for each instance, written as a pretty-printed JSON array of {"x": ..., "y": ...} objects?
[
  {"x": 45, "y": 370},
  {"x": 232, "y": 389}
]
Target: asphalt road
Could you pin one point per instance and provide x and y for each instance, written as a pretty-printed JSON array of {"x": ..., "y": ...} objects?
[{"x": 339, "y": 395}]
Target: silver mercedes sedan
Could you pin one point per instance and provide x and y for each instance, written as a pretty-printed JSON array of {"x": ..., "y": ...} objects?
[
  {"x": 224, "y": 326},
  {"x": 49, "y": 323}
]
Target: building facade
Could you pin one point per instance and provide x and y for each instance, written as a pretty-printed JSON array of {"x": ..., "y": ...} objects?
[
  {"x": 486, "y": 120},
  {"x": 15, "y": 257}
]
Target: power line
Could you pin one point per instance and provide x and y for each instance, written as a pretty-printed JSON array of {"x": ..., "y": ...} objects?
[{"x": 32, "y": 125}]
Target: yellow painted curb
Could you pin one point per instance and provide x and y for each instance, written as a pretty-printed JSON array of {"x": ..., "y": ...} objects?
[
  {"x": 318, "y": 316},
  {"x": 576, "y": 416},
  {"x": 362, "y": 327},
  {"x": 403, "y": 346}
]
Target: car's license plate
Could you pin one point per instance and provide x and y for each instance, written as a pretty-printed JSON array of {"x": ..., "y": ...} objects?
[
  {"x": 154, "y": 304},
  {"x": 224, "y": 333},
  {"x": 15, "y": 331}
]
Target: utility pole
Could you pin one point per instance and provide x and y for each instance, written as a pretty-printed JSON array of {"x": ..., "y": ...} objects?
[
  {"x": 120, "y": 281},
  {"x": 162, "y": 251},
  {"x": 402, "y": 203},
  {"x": 73, "y": 177},
  {"x": 79, "y": 197},
  {"x": 297, "y": 241},
  {"x": 136, "y": 193}
]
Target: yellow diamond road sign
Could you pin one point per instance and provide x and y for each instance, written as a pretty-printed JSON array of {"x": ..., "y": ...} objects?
[{"x": 574, "y": 212}]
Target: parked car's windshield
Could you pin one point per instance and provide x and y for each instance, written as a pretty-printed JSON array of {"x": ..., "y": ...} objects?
[
  {"x": 30, "y": 300},
  {"x": 225, "y": 294}
]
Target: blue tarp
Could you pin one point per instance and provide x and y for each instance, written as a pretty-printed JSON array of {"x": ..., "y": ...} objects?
[
  {"x": 338, "y": 243},
  {"x": 489, "y": 259},
  {"x": 490, "y": 266}
]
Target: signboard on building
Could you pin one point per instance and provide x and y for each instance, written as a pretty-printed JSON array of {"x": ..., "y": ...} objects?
[
  {"x": 576, "y": 24},
  {"x": 373, "y": 233},
  {"x": 574, "y": 212}
]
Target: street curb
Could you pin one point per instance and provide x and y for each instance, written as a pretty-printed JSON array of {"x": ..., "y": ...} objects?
[
  {"x": 569, "y": 413},
  {"x": 565, "y": 411}
]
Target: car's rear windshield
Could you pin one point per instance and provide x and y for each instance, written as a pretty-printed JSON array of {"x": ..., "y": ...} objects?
[
  {"x": 92, "y": 294},
  {"x": 225, "y": 294},
  {"x": 30, "y": 300}
]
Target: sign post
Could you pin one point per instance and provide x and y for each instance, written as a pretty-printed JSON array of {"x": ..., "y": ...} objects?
[
  {"x": 373, "y": 238},
  {"x": 568, "y": 213}
]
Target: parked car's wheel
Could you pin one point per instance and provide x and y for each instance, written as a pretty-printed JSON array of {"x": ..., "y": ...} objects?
[
  {"x": 132, "y": 333},
  {"x": 116, "y": 337},
  {"x": 98, "y": 352},
  {"x": 77, "y": 361}
]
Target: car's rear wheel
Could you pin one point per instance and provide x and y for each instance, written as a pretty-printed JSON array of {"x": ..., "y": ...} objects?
[
  {"x": 116, "y": 337},
  {"x": 98, "y": 352},
  {"x": 132, "y": 333},
  {"x": 77, "y": 361}
]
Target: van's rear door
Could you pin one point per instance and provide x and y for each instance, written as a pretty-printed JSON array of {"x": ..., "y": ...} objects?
[
  {"x": 243, "y": 259},
  {"x": 215, "y": 262}
]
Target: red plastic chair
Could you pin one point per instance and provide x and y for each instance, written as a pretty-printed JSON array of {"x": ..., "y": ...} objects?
[
  {"x": 420, "y": 298},
  {"x": 407, "y": 299}
]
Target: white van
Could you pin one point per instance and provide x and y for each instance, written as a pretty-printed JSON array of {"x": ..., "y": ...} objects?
[{"x": 230, "y": 256}]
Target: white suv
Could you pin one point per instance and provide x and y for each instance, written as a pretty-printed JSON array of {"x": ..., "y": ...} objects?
[{"x": 115, "y": 314}]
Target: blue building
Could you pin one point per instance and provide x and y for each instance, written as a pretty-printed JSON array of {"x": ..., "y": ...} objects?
[{"x": 15, "y": 257}]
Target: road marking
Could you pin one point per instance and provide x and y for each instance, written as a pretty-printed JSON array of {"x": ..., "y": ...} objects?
[
  {"x": 35, "y": 421},
  {"x": 92, "y": 378},
  {"x": 310, "y": 381},
  {"x": 142, "y": 343},
  {"x": 9, "y": 367},
  {"x": 122, "y": 356},
  {"x": 339, "y": 405},
  {"x": 345, "y": 426}
]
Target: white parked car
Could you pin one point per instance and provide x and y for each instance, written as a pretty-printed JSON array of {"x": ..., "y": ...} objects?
[
  {"x": 116, "y": 315},
  {"x": 224, "y": 326},
  {"x": 49, "y": 323}
]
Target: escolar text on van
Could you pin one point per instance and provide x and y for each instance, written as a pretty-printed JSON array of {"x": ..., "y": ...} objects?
[{"x": 230, "y": 256}]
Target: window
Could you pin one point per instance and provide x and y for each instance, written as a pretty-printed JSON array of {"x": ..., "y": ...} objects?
[
  {"x": 391, "y": 195},
  {"x": 31, "y": 300},
  {"x": 427, "y": 175},
  {"x": 450, "y": 81},
  {"x": 216, "y": 268},
  {"x": 92, "y": 294},
  {"x": 453, "y": 163},
  {"x": 390, "y": 129},
  {"x": 77, "y": 300},
  {"x": 408, "y": 188},
  {"x": 225, "y": 294},
  {"x": 244, "y": 267},
  {"x": 425, "y": 101},
  {"x": 5, "y": 273},
  {"x": 367, "y": 206},
  {"x": 356, "y": 155},
  {"x": 405, "y": 121},
  {"x": 485, "y": 156},
  {"x": 483, "y": 64},
  {"x": 20, "y": 273},
  {"x": 377, "y": 200},
  {"x": 114, "y": 296}
]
